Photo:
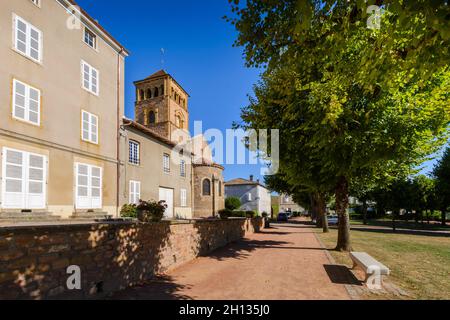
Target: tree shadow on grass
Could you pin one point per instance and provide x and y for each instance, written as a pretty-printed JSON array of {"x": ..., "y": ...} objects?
[
  {"x": 339, "y": 274},
  {"x": 402, "y": 231}
]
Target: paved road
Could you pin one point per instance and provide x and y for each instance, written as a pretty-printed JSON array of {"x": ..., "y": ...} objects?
[{"x": 283, "y": 262}]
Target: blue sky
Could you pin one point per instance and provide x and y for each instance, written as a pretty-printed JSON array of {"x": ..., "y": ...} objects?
[{"x": 198, "y": 53}]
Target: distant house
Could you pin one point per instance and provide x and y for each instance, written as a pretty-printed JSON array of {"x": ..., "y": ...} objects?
[
  {"x": 287, "y": 204},
  {"x": 254, "y": 196}
]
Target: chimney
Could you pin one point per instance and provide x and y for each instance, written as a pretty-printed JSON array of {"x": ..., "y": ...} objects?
[{"x": 251, "y": 177}]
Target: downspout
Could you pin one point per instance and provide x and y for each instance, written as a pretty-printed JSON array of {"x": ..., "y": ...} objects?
[{"x": 119, "y": 75}]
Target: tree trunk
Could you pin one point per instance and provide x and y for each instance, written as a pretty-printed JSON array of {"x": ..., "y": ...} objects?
[
  {"x": 394, "y": 225},
  {"x": 364, "y": 208},
  {"x": 443, "y": 217},
  {"x": 343, "y": 242},
  {"x": 322, "y": 211}
]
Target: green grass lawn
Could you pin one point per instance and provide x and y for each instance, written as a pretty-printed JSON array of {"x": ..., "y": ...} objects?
[{"x": 419, "y": 264}]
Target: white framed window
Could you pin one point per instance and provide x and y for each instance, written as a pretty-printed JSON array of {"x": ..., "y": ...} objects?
[
  {"x": 183, "y": 195},
  {"x": 90, "y": 38},
  {"x": 90, "y": 78},
  {"x": 24, "y": 180},
  {"x": 88, "y": 188},
  {"x": 134, "y": 152},
  {"x": 135, "y": 192},
  {"x": 36, "y": 2},
  {"x": 183, "y": 168},
  {"x": 27, "y": 39},
  {"x": 89, "y": 127},
  {"x": 26, "y": 103},
  {"x": 166, "y": 163},
  {"x": 249, "y": 197}
]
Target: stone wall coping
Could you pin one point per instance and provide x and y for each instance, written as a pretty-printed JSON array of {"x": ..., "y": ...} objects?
[{"x": 62, "y": 226}]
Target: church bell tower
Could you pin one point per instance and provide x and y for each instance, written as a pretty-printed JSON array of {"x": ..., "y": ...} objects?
[{"x": 162, "y": 105}]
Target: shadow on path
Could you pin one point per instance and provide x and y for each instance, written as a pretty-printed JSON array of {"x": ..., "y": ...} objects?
[
  {"x": 341, "y": 275},
  {"x": 159, "y": 288}
]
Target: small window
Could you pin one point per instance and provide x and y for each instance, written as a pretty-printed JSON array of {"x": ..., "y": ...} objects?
[
  {"x": 90, "y": 38},
  {"x": 28, "y": 39},
  {"x": 249, "y": 197},
  {"x": 26, "y": 103},
  {"x": 220, "y": 188},
  {"x": 134, "y": 157},
  {"x": 36, "y": 2},
  {"x": 135, "y": 192},
  {"x": 183, "y": 195},
  {"x": 206, "y": 187},
  {"x": 183, "y": 168},
  {"x": 156, "y": 94},
  {"x": 89, "y": 127},
  {"x": 149, "y": 93},
  {"x": 90, "y": 78},
  {"x": 166, "y": 163},
  {"x": 152, "y": 117}
]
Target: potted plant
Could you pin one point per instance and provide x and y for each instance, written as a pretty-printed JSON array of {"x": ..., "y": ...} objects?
[
  {"x": 265, "y": 216},
  {"x": 151, "y": 211}
]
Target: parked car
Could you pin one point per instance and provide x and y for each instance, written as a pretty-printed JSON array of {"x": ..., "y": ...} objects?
[
  {"x": 289, "y": 214},
  {"x": 333, "y": 220},
  {"x": 282, "y": 216}
]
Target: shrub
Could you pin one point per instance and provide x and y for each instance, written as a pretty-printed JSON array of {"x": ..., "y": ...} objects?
[
  {"x": 264, "y": 214},
  {"x": 151, "y": 211},
  {"x": 129, "y": 211},
  {"x": 238, "y": 214},
  {"x": 250, "y": 214},
  {"x": 225, "y": 214},
  {"x": 232, "y": 203}
]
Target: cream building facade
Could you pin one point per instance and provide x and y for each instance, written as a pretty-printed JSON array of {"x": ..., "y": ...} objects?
[{"x": 62, "y": 103}]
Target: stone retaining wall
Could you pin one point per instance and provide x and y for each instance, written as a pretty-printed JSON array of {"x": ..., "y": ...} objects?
[{"x": 34, "y": 260}]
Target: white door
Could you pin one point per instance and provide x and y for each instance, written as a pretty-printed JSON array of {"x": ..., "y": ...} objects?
[
  {"x": 24, "y": 180},
  {"x": 167, "y": 196},
  {"x": 88, "y": 189}
]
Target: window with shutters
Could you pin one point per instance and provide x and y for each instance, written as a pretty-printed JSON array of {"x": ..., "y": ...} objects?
[
  {"x": 183, "y": 197},
  {"x": 27, "y": 39},
  {"x": 26, "y": 103},
  {"x": 166, "y": 163},
  {"x": 88, "y": 186},
  {"x": 24, "y": 180},
  {"x": 134, "y": 152},
  {"x": 135, "y": 192},
  {"x": 183, "y": 168},
  {"x": 89, "y": 127},
  {"x": 90, "y": 78}
]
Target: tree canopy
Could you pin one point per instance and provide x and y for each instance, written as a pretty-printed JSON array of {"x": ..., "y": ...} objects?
[{"x": 352, "y": 104}]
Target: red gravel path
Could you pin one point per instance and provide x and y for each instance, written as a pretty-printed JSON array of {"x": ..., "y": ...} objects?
[{"x": 285, "y": 262}]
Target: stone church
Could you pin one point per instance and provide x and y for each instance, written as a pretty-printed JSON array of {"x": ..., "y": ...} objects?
[{"x": 192, "y": 184}]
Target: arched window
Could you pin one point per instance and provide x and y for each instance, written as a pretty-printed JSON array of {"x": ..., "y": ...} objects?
[
  {"x": 162, "y": 90},
  {"x": 152, "y": 117},
  {"x": 156, "y": 93},
  {"x": 149, "y": 93},
  {"x": 141, "y": 95},
  {"x": 206, "y": 187},
  {"x": 178, "y": 121},
  {"x": 220, "y": 188}
]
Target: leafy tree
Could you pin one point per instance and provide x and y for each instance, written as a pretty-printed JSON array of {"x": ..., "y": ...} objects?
[
  {"x": 232, "y": 203},
  {"x": 350, "y": 102},
  {"x": 441, "y": 173}
]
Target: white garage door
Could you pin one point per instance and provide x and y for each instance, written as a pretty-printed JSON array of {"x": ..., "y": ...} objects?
[
  {"x": 167, "y": 196},
  {"x": 24, "y": 180},
  {"x": 88, "y": 190}
]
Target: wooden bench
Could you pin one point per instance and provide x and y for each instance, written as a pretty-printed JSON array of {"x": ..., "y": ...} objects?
[{"x": 369, "y": 265}]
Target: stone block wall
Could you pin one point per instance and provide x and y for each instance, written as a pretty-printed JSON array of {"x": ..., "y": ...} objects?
[{"x": 112, "y": 257}]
